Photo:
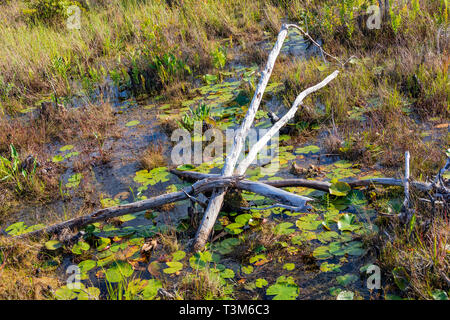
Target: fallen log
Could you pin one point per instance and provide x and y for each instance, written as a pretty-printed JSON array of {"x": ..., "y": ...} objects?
[
  {"x": 204, "y": 185},
  {"x": 312, "y": 184}
]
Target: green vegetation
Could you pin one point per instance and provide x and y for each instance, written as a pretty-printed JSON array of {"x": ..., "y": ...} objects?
[{"x": 86, "y": 118}]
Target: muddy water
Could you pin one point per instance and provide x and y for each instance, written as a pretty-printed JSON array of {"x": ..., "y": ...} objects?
[{"x": 115, "y": 179}]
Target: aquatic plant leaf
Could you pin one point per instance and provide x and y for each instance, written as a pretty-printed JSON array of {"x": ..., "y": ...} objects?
[
  {"x": 118, "y": 271},
  {"x": 247, "y": 269},
  {"x": 227, "y": 274},
  {"x": 151, "y": 290},
  {"x": 66, "y": 148},
  {"x": 53, "y": 245},
  {"x": 284, "y": 228},
  {"x": 289, "y": 266},
  {"x": 339, "y": 188},
  {"x": 178, "y": 255},
  {"x": 330, "y": 267},
  {"x": 308, "y": 222},
  {"x": 234, "y": 228},
  {"x": 91, "y": 293},
  {"x": 259, "y": 259},
  {"x": 87, "y": 265},
  {"x": 64, "y": 293},
  {"x": 322, "y": 253},
  {"x": 308, "y": 149},
  {"x": 261, "y": 283},
  {"x": 284, "y": 289},
  {"x": 132, "y": 123},
  {"x": 345, "y": 295},
  {"x": 80, "y": 246},
  {"x": 347, "y": 222},
  {"x": 57, "y": 158},
  {"x": 74, "y": 180},
  {"x": 174, "y": 266},
  {"x": 243, "y": 219},
  {"x": 347, "y": 279},
  {"x": 102, "y": 243},
  {"x": 71, "y": 154}
]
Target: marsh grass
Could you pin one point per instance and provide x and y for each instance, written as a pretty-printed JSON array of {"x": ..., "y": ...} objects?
[
  {"x": 420, "y": 253},
  {"x": 24, "y": 271}
]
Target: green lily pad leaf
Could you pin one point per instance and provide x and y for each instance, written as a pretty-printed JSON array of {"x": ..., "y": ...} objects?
[
  {"x": 258, "y": 259},
  {"x": 53, "y": 245},
  {"x": 284, "y": 228},
  {"x": 354, "y": 248},
  {"x": 65, "y": 293},
  {"x": 339, "y": 188},
  {"x": 247, "y": 269},
  {"x": 327, "y": 236},
  {"x": 234, "y": 228},
  {"x": 289, "y": 266},
  {"x": 330, "y": 267},
  {"x": 284, "y": 289},
  {"x": 308, "y": 149},
  {"x": 322, "y": 253},
  {"x": 151, "y": 290},
  {"x": 132, "y": 123},
  {"x": 87, "y": 265},
  {"x": 345, "y": 295},
  {"x": 348, "y": 223},
  {"x": 71, "y": 154},
  {"x": 308, "y": 222},
  {"x": 66, "y": 148},
  {"x": 261, "y": 283},
  {"x": 178, "y": 255},
  {"x": 91, "y": 293},
  {"x": 102, "y": 243},
  {"x": 185, "y": 167},
  {"x": 80, "y": 246},
  {"x": 57, "y": 158},
  {"x": 347, "y": 279},
  {"x": 227, "y": 274},
  {"x": 334, "y": 291},
  {"x": 174, "y": 266},
  {"x": 127, "y": 217},
  {"x": 118, "y": 271},
  {"x": 243, "y": 219},
  {"x": 74, "y": 181}
]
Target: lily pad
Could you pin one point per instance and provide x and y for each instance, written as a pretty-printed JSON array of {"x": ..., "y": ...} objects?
[
  {"x": 132, "y": 123},
  {"x": 284, "y": 289}
]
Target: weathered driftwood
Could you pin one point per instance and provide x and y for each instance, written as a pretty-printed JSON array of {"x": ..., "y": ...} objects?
[
  {"x": 261, "y": 143},
  {"x": 204, "y": 185},
  {"x": 312, "y": 184},
  {"x": 216, "y": 200}
]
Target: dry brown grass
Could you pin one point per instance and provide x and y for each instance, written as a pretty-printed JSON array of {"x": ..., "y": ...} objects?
[
  {"x": 21, "y": 274},
  {"x": 153, "y": 157}
]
